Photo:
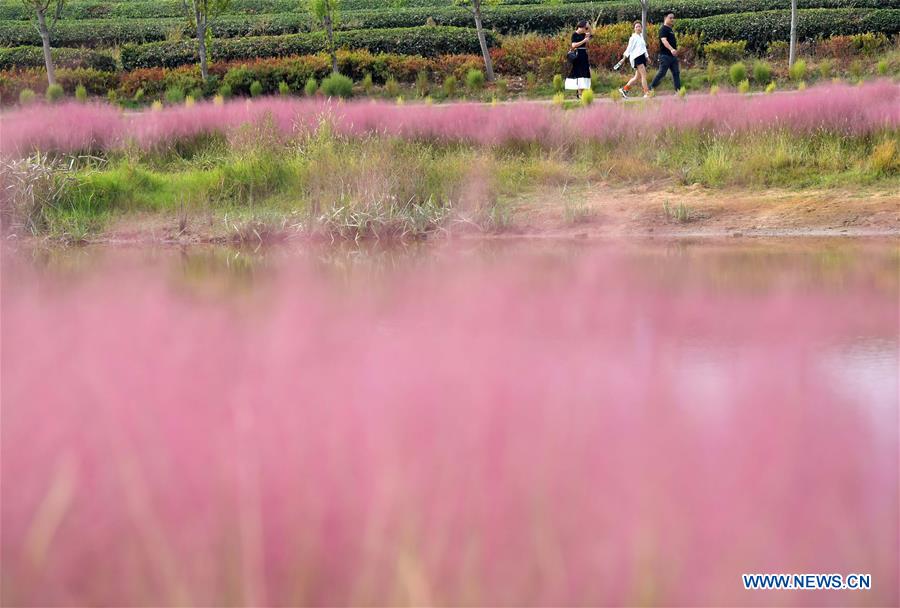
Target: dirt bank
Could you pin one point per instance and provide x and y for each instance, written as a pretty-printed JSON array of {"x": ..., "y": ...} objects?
[{"x": 599, "y": 210}]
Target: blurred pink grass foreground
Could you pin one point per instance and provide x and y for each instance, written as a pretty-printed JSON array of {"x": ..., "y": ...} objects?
[
  {"x": 71, "y": 127},
  {"x": 541, "y": 443}
]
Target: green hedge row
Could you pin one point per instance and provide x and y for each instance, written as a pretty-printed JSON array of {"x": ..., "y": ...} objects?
[
  {"x": 504, "y": 19},
  {"x": 760, "y": 29},
  {"x": 33, "y": 57},
  {"x": 101, "y": 9},
  {"x": 427, "y": 42}
]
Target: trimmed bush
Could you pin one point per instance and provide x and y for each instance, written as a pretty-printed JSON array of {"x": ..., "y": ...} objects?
[
  {"x": 426, "y": 42},
  {"x": 475, "y": 80},
  {"x": 762, "y": 72},
  {"x": 337, "y": 85},
  {"x": 759, "y": 29},
  {"x": 54, "y": 93},
  {"x": 256, "y": 88},
  {"x": 33, "y": 57},
  {"x": 311, "y": 86},
  {"x": 737, "y": 73},
  {"x": 726, "y": 51},
  {"x": 81, "y": 93}
]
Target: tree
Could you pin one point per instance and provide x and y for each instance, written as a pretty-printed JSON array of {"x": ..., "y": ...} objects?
[
  {"x": 474, "y": 7},
  {"x": 327, "y": 13},
  {"x": 645, "y": 8},
  {"x": 201, "y": 12},
  {"x": 41, "y": 8},
  {"x": 792, "y": 53}
]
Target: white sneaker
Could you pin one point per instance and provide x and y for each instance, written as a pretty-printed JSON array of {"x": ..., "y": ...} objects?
[
  {"x": 646, "y": 95},
  {"x": 624, "y": 93}
]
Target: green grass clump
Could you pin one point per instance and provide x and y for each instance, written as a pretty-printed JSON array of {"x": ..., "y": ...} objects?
[
  {"x": 337, "y": 85},
  {"x": 367, "y": 83},
  {"x": 558, "y": 83},
  {"x": 54, "y": 93},
  {"x": 311, "y": 86},
  {"x": 449, "y": 86},
  {"x": 797, "y": 72},
  {"x": 737, "y": 73},
  {"x": 475, "y": 80},
  {"x": 256, "y": 88},
  {"x": 26, "y": 96},
  {"x": 762, "y": 72},
  {"x": 81, "y": 93},
  {"x": 587, "y": 97},
  {"x": 770, "y": 88},
  {"x": 283, "y": 88},
  {"x": 224, "y": 91},
  {"x": 392, "y": 87},
  {"x": 423, "y": 86},
  {"x": 744, "y": 86},
  {"x": 174, "y": 95},
  {"x": 882, "y": 67}
]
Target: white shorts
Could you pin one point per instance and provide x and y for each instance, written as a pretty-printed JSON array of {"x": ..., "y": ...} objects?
[{"x": 573, "y": 84}]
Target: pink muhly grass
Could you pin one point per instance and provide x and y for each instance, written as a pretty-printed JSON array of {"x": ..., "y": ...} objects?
[
  {"x": 831, "y": 108},
  {"x": 488, "y": 437}
]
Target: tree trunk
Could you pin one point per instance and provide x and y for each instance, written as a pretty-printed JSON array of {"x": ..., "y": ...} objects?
[
  {"x": 792, "y": 53},
  {"x": 485, "y": 52},
  {"x": 329, "y": 36},
  {"x": 645, "y": 7},
  {"x": 45, "y": 40},
  {"x": 200, "y": 20}
]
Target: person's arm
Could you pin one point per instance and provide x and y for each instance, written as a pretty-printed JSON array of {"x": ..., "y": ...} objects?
[
  {"x": 665, "y": 42},
  {"x": 631, "y": 45},
  {"x": 575, "y": 45}
]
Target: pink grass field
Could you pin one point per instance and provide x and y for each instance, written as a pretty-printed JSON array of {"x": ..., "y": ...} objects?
[
  {"x": 73, "y": 127},
  {"x": 503, "y": 434}
]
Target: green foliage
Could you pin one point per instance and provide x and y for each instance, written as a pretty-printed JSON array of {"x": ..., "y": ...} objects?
[
  {"x": 558, "y": 83},
  {"x": 587, "y": 97},
  {"x": 743, "y": 86},
  {"x": 33, "y": 57},
  {"x": 256, "y": 88},
  {"x": 337, "y": 85},
  {"x": 797, "y": 72},
  {"x": 882, "y": 67},
  {"x": 770, "y": 88},
  {"x": 426, "y": 42},
  {"x": 367, "y": 83},
  {"x": 81, "y": 93},
  {"x": 174, "y": 95},
  {"x": 449, "y": 86},
  {"x": 725, "y": 51},
  {"x": 54, "y": 93},
  {"x": 759, "y": 29},
  {"x": 475, "y": 80},
  {"x": 423, "y": 86},
  {"x": 138, "y": 96},
  {"x": 311, "y": 86},
  {"x": 737, "y": 73},
  {"x": 225, "y": 90},
  {"x": 283, "y": 88},
  {"x": 762, "y": 72},
  {"x": 26, "y": 96},
  {"x": 825, "y": 69},
  {"x": 391, "y": 87}
]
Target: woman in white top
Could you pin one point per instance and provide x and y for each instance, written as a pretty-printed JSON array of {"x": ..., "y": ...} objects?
[{"x": 636, "y": 53}]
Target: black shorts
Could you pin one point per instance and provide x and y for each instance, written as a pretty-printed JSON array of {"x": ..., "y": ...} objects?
[{"x": 642, "y": 60}]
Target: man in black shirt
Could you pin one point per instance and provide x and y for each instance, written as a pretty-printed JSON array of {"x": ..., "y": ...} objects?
[{"x": 668, "y": 54}]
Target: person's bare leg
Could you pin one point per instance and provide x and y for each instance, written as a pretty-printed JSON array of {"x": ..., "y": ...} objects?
[
  {"x": 642, "y": 70},
  {"x": 633, "y": 80}
]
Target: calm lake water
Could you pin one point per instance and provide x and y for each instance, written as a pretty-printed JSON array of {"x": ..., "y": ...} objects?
[{"x": 499, "y": 422}]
